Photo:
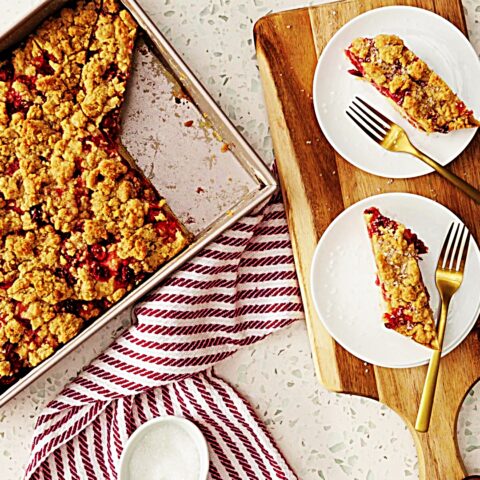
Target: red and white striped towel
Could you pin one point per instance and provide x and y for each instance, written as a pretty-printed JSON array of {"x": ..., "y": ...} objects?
[{"x": 237, "y": 291}]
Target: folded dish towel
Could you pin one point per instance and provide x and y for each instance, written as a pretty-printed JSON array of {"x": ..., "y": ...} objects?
[{"x": 238, "y": 290}]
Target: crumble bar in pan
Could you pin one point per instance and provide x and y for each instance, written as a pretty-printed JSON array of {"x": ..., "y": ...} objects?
[{"x": 79, "y": 226}]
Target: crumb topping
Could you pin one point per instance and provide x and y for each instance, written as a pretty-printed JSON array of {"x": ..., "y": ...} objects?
[
  {"x": 420, "y": 94},
  {"x": 79, "y": 227}
]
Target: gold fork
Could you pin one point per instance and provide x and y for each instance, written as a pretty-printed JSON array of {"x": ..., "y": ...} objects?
[
  {"x": 448, "y": 277},
  {"x": 392, "y": 137}
]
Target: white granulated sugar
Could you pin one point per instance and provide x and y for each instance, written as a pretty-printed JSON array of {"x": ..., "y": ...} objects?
[{"x": 165, "y": 453}]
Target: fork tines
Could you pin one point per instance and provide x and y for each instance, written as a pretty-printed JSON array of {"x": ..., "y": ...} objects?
[
  {"x": 454, "y": 253},
  {"x": 371, "y": 121}
]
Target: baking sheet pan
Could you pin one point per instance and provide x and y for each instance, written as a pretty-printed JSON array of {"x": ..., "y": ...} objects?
[{"x": 183, "y": 143}]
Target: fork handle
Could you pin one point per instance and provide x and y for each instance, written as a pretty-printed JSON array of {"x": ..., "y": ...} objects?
[
  {"x": 426, "y": 402},
  {"x": 471, "y": 191}
]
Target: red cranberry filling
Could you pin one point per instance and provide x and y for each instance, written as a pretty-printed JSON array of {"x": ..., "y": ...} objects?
[
  {"x": 412, "y": 238},
  {"x": 100, "y": 272},
  {"x": 112, "y": 71},
  {"x": 397, "y": 97},
  {"x": 82, "y": 308},
  {"x": 78, "y": 165},
  {"x": 110, "y": 124},
  {"x": 153, "y": 212},
  {"x": 101, "y": 142},
  {"x": 385, "y": 295},
  {"x": 27, "y": 80},
  {"x": 15, "y": 103},
  {"x": 79, "y": 226},
  {"x": 13, "y": 167},
  {"x": 20, "y": 309},
  {"x": 11, "y": 206},
  {"x": 382, "y": 287},
  {"x": 81, "y": 190},
  {"x": 167, "y": 229},
  {"x": 398, "y": 318},
  {"x": 378, "y": 220},
  {"x": 142, "y": 185},
  {"x": 38, "y": 341},
  {"x": 64, "y": 272},
  {"x": 15, "y": 362},
  {"x": 36, "y": 213},
  {"x": 125, "y": 275},
  {"x": 74, "y": 261},
  {"x": 355, "y": 72},
  {"x": 42, "y": 65},
  {"x": 70, "y": 306},
  {"x": 6, "y": 72},
  {"x": 99, "y": 252},
  {"x": 97, "y": 259},
  {"x": 358, "y": 70},
  {"x": 463, "y": 110},
  {"x": 8, "y": 349},
  {"x": 6, "y": 285}
]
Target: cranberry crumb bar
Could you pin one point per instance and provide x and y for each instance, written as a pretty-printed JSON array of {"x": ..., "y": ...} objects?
[
  {"x": 417, "y": 91},
  {"x": 79, "y": 226},
  {"x": 397, "y": 250}
]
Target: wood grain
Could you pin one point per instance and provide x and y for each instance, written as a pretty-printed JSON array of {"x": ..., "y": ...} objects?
[{"x": 317, "y": 184}]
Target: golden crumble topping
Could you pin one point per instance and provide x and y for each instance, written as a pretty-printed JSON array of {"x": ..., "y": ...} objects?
[
  {"x": 397, "y": 250},
  {"x": 419, "y": 93},
  {"x": 79, "y": 227}
]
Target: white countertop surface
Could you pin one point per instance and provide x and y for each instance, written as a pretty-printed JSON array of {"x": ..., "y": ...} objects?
[{"x": 324, "y": 436}]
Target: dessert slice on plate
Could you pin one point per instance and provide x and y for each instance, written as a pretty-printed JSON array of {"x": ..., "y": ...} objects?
[
  {"x": 417, "y": 91},
  {"x": 397, "y": 250}
]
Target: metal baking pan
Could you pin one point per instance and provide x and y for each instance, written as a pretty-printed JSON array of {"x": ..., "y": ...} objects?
[{"x": 183, "y": 143}]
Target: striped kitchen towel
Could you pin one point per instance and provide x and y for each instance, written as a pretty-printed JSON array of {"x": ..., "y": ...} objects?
[{"x": 238, "y": 290}]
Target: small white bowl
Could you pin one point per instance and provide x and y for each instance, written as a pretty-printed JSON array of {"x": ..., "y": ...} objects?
[{"x": 158, "y": 423}]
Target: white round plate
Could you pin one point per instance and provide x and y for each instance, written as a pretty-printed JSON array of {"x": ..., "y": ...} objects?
[
  {"x": 433, "y": 39},
  {"x": 349, "y": 303}
]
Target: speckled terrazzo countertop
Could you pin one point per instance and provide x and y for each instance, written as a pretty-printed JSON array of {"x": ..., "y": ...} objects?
[{"x": 323, "y": 435}]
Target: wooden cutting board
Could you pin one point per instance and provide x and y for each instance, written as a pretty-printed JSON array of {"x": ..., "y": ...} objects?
[{"x": 317, "y": 184}]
